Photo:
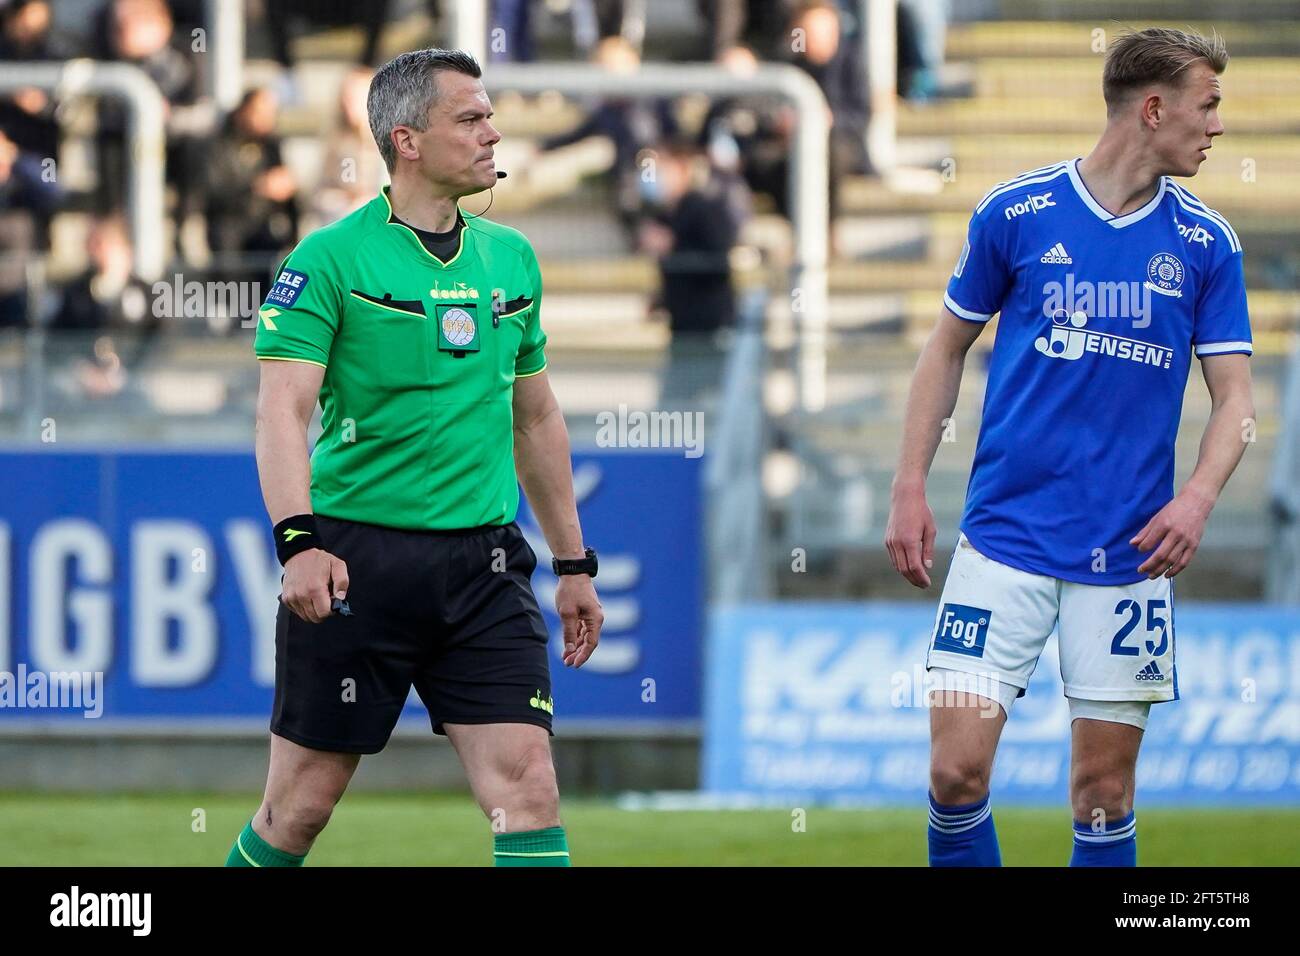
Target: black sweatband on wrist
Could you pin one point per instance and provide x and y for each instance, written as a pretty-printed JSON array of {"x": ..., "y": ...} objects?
[{"x": 295, "y": 535}]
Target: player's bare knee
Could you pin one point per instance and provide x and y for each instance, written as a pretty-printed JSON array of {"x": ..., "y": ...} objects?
[
  {"x": 527, "y": 788},
  {"x": 528, "y": 806},
  {"x": 958, "y": 780},
  {"x": 541, "y": 794},
  {"x": 536, "y": 781},
  {"x": 524, "y": 771},
  {"x": 1100, "y": 793},
  {"x": 302, "y": 819}
]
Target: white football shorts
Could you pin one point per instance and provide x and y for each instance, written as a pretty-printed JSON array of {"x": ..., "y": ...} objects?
[{"x": 1116, "y": 641}]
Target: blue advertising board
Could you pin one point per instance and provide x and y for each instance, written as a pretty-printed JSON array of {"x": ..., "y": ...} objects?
[
  {"x": 826, "y": 703},
  {"x": 156, "y": 571}
]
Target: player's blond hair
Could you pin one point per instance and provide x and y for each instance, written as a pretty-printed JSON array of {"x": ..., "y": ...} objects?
[{"x": 1138, "y": 58}]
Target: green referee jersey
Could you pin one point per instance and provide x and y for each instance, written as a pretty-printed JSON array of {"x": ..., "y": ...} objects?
[{"x": 420, "y": 361}]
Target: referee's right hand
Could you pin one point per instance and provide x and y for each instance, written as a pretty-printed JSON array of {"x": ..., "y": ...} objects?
[{"x": 311, "y": 579}]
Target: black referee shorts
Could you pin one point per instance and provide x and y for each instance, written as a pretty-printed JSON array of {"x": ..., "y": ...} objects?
[{"x": 451, "y": 612}]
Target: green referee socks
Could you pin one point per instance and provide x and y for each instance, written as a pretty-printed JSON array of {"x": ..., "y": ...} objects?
[
  {"x": 532, "y": 848},
  {"x": 251, "y": 850}
]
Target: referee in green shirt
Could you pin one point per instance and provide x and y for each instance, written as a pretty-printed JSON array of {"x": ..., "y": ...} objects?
[{"x": 419, "y": 332}]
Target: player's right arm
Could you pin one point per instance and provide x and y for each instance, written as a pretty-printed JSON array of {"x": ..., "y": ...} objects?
[
  {"x": 931, "y": 398},
  {"x": 286, "y": 397},
  {"x": 295, "y": 333},
  {"x": 974, "y": 295}
]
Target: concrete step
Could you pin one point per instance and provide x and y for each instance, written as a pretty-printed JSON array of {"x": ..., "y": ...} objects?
[
  {"x": 1220, "y": 188},
  {"x": 938, "y": 238},
  {"x": 1272, "y": 260},
  {"x": 1054, "y": 78},
  {"x": 316, "y": 85},
  {"x": 1166, "y": 11},
  {"x": 1036, "y": 38},
  {"x": 984, "y": 155},
  {"x": 637, "y": 273},
  {"x": 557, "y": 233},
  {"x": 1269, "y": 111}
]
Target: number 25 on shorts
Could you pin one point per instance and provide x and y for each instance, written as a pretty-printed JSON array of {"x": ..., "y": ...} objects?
[{"x": 1156, "y": 621}]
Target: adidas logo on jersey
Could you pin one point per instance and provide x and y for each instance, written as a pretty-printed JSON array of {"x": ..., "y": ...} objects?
[
  {"x": 1057, "y": 256},
  {"x": 1150, "y": 672}
]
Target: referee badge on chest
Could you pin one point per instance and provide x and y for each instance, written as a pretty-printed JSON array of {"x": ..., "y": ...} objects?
[{"x": 458, "y": 329}]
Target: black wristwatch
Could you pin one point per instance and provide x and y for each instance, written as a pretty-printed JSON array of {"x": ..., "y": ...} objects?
[{"x": 585, "y": 565}]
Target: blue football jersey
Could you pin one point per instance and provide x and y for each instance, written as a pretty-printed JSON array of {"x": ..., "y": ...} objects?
[{"x": 1100, "y": 316}]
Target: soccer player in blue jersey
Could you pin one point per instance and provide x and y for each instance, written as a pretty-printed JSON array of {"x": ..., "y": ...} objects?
[{"x": 1108, "y": 276}]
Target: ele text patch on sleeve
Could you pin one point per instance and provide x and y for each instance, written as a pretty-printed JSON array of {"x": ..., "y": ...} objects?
[{"x": 288, "y": 286}]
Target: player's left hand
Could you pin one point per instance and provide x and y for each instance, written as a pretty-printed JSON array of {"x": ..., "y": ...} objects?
[
  {"x": 1175, "y": 534},
  {"x": 580, "y": 613}
]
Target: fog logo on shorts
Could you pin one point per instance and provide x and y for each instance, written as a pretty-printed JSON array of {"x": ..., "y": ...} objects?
[{"x": 962, "y": 629}]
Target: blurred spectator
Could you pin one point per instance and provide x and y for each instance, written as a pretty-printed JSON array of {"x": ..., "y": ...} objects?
[
  {"x": 108, "y": 296},
  {"x": 762, "y": 127},
  {"x": 282, "y": 16},
  {"x": 591, "y": 21},
  {"x": 630, "y": 124},
  {"x": 694, "y": 223},
  {"x": 24, "y": 29},
  {"x": 27, "y": 115},
  {"x": 27, "y": 201},
  {"x": 188, "y": 15},
  {"x": 837, "y": 67},
  {"x": 352, "y": 169},
  {"x": 757, "y": 25},
  {"x": 252, "y": 207},
  {"x": 595, "y": 21},
  {"x": 691, "y": 227},
  {"x": 514, "y": 19},
  {"x": 757, "y": 130},
  {"x": 109, "y": 299},
  {"x": 922, "y": 35},
  {"x": 141, "y": 32}
]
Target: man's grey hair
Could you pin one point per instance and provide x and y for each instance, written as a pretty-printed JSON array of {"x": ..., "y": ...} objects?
[{"x": 405, "y": 88}]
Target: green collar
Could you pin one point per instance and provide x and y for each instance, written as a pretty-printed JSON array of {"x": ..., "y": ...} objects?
[{"x": 386, "y": 209}]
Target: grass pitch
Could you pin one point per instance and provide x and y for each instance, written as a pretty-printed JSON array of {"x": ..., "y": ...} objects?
[{"x": 438, "y": 829}]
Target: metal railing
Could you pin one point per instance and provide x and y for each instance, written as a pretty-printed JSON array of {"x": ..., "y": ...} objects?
[
  {"x": 1283, "y": 585},
  {"x": 733, "y": 480},
  {"x": 809, "y": 212},
  {"x": 145, "y": 139},
  {"x": 225, "y": 60}
]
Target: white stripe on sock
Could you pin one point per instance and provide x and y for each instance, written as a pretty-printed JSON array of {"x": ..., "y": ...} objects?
[
  {"x": 944, "y": 827},
  {"x": 1115, "y": 836},
  {"x": 957, "y": 817}
]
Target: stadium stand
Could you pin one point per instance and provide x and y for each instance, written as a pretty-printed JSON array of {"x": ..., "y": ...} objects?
[{"x": 1018, "y": 89}]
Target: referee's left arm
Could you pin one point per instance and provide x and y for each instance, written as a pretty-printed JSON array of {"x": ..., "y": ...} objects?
[{"x": 546, "y": 474}]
